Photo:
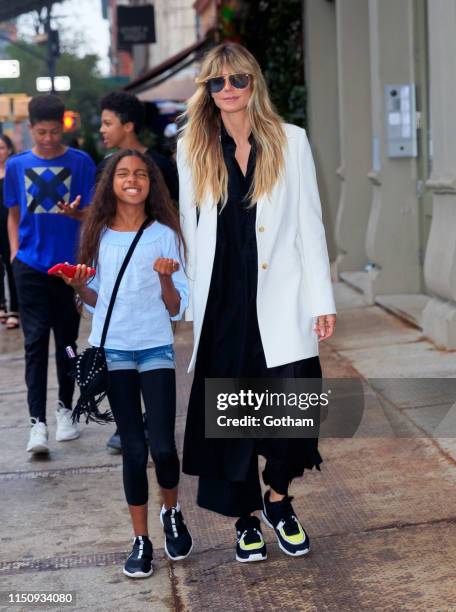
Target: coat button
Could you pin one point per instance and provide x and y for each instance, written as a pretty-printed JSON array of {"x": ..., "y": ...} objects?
[
  {"x": 261, "y": 229},
  {"x": 264, "y": 266}
]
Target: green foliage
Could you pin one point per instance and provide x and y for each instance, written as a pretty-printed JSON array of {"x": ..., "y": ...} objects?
[
  {"x": 273, "y": 31},
  {"x": 87, "y": 86}
]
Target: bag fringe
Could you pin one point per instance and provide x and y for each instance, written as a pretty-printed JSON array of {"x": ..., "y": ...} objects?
[{"x": 87, "y": 408}]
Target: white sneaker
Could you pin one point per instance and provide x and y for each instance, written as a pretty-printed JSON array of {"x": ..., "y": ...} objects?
[
  {"x": 66, "y": 429},
  {"x": 38, "y": 440}
]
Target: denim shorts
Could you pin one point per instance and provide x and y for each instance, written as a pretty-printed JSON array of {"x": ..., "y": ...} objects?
[{"x": 142, "y": 360}]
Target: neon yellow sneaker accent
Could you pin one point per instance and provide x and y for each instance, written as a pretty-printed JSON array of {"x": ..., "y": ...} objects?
[
  {"x": 297, "y": 538},
  {"x": 252, "y": 546}
]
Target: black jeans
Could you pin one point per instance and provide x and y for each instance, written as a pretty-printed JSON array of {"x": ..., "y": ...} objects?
[
  {"x": 158, "y": 388},
  {"x": 45, "y": 303}
]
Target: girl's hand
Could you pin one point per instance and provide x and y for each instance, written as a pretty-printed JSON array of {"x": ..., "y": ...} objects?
[
  {"x": 80, "y": 278},
  {"x": 71, "y": 209},
  {"x": 324, "y": 326},
  {"x": 165, "y": 266}
]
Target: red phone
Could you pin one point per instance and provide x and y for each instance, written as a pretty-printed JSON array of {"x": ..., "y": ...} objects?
[{"x": 68, "y": 270}]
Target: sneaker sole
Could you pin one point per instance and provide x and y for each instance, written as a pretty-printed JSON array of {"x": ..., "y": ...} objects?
[
  {"x": 255, "y": 557},
  {"x": 177, "y": 558},
  {"x": 138, "y": 574},
  {"x": 67, "y": 438},
  {"x": 299, "y": 553},
  {"x": 113, "y": 451},
  {"x": 39, "y": 449}
]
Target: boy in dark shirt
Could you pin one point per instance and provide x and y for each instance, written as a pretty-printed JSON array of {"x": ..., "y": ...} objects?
[
  {"x": 122, "y": 118},
  {"x": 45, "y": 190}
]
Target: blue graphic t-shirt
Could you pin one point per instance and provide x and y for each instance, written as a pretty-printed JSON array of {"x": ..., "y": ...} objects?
[{"x": 36, "y": 185}]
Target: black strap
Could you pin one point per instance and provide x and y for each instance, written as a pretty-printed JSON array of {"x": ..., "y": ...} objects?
[{"x": 119, "y": 278}]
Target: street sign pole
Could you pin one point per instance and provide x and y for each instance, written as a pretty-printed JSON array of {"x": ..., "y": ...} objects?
[{"x": 50, "y": 47}]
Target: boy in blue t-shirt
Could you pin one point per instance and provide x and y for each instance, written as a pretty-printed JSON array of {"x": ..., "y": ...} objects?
[{"x": 45, "y": 190}]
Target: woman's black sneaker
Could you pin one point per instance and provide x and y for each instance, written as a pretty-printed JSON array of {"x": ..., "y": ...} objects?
[
  {"x": 178, "y": 541},
  {"x": 250, "y": 544},
  {"x": 139, "y": 563},
  {"x": 280, "y": 516}
]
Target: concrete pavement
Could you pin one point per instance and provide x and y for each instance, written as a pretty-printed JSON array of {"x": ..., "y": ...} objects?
[{"x": 381, "y": 514}]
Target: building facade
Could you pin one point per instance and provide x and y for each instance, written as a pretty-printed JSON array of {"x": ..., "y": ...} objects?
[
  {"x": 121, "y": 60},
  {"x": 381, "y": 85},
  {"x": 207, "y": 16},
  {"x": 166, "y": 69},
  {"x": 175, "y": 29}
]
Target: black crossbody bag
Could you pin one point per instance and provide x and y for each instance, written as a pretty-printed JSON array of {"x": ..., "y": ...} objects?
[{"x": 91, "y": 370}]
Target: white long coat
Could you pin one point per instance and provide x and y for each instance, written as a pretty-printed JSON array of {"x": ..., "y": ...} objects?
[{"x": 294, "y": 283}]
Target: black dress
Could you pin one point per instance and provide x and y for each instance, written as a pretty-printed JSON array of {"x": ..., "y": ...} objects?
[{"x": 230, "y": 346}]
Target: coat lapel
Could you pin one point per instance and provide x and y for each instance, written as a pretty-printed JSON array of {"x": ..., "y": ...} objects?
[
  {"x": 260, "y": 206},
  {"x": 273, "y": 199}
]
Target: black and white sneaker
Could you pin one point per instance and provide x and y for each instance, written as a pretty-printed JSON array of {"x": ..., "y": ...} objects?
[
  {"x": 250, "y": 544},
  {"x": 280, "y": 516},
  {"x": 178, "y": 541},
  {"x": 139, "y": 563}
]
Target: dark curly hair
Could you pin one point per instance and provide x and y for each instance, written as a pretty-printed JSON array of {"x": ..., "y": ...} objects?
[
  {"x": 46, "y": 108},
  {"x": 101, "y": 213},
  {"x": 126, "y": 106}
]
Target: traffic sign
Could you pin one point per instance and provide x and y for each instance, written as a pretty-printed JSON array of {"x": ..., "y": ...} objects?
[
  {"x": 61, "y": 83},
  {"x": 10, "y": 69}
]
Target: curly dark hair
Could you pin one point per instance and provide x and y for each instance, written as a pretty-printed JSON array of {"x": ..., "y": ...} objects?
[
  {"x": 126, "y": 106},
  {"x": 101, "y": 212},
  {"x": 46, "y": 108}
]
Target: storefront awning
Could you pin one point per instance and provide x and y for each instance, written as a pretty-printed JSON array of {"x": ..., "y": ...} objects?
[
  {"x": 180, "y": 89},
  {"x": 155, "y": 78}
]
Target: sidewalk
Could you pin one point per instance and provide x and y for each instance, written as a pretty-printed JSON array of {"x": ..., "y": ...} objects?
[{"x": 381, "y": 514}]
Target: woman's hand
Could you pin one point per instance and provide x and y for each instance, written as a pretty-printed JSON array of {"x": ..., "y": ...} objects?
[
  {"x": 324, "y": 326},
  {"x": 80, "y": 278},
  {"x": 165, "y": 266}
]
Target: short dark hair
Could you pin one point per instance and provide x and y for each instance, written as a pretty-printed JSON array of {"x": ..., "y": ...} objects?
[
  {"x": 126, "y": 106},
  {"x": 46, "y": 108}
]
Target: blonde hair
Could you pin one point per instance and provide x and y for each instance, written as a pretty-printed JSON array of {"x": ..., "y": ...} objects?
[{"x": 201, "y": 133}]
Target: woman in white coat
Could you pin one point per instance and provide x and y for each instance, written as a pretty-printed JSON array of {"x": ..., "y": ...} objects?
[{"x": 261, "y": 295}]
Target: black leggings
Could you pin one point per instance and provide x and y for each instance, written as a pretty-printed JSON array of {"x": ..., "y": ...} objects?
[{"x": 158, "y": 388}]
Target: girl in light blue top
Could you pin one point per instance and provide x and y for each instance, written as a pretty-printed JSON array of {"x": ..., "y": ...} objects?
[{"x": 139, "y": 345}]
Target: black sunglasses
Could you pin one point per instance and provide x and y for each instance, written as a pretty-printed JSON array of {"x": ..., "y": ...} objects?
[{"x": 216, "y": 84}]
